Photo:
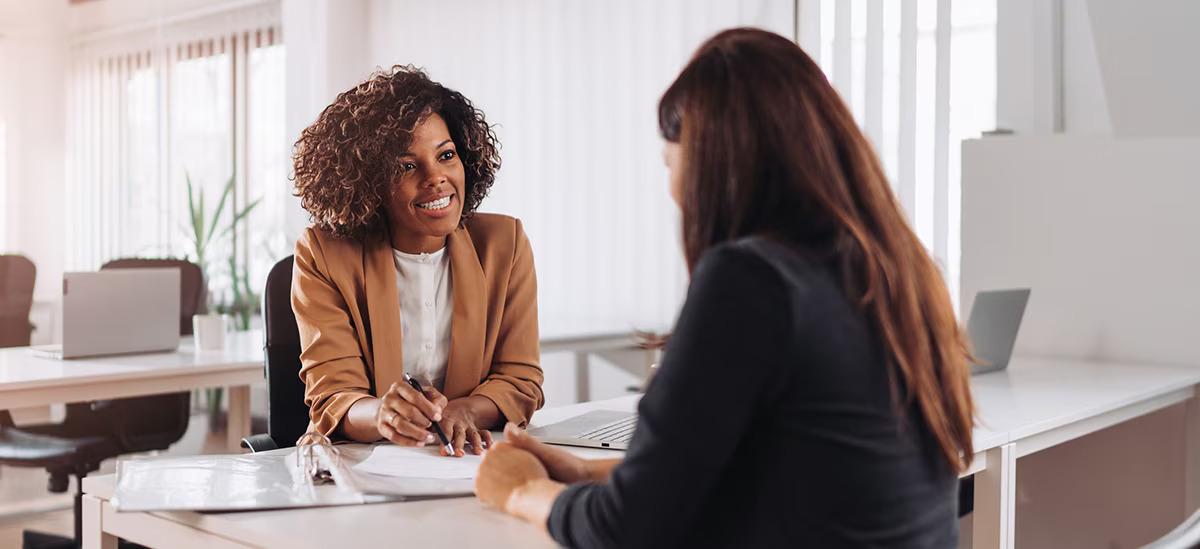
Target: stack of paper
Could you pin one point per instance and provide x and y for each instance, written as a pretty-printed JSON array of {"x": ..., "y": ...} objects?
[{"x": 427, "y": 463}]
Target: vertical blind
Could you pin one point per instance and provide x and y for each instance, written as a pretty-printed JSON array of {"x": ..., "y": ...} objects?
[
  {"x": 150, "y": 108},
  {"x": 573, "y": 88},
  {"x": 919, "y": 76}
]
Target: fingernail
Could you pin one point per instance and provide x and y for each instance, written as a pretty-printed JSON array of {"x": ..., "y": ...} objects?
[
  {"x": 428, "y": 438},
  {"x": 437, "y": 416}
]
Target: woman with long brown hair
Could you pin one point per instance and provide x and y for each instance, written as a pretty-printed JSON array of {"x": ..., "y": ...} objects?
[{"x": 815, "y": 391}]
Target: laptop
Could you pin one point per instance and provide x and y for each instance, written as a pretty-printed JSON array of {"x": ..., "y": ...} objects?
[
  {"x": 595, "y": 429},
  {"x": 992, "y": 328},
  {"x": 117, "y": 311}
]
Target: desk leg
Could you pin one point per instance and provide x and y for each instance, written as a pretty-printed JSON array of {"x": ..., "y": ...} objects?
[
  {"x": 1191, "y": 472},
  {"x": 995, "y": 501},
  {"x": 583, "y": 389},
  {"x": 239, "y": 416},
  {"x": 94, "y": 536}
]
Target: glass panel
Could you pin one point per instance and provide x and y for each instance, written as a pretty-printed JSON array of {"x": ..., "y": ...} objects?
[
  {"x": 202, "y": 149},
  {"x": 144, "y": 218},
  {"x": 972, "y": 105},
  {"x": 828, "y": 11},
  {"x": 267, "y": 163},
  {"x": 858, "y": 60}
]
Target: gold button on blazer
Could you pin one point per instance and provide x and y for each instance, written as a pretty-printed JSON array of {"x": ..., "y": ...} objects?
[{"x": 347, "y": 306}]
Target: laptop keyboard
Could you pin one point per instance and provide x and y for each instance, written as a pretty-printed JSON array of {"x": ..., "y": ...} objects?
[{"x": 617, "y": 431}]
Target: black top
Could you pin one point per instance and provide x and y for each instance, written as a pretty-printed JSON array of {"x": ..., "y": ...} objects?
[{"x": 770, "y": 423}]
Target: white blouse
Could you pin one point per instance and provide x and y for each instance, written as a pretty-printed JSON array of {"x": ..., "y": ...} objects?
[{"x": 425, "y": 311}]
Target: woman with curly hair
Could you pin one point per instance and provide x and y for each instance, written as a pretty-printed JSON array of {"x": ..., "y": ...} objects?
[{"x": 399, "y": 274}]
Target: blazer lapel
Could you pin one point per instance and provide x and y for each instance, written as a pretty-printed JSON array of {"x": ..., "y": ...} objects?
[
  {"x": 468, "y": 322},
  {"x": 383, "y": 311}
]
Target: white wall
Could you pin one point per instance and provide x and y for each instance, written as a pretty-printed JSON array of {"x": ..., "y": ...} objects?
[
  {"x": 1109, "y": 67},
  {"x": 1085, "y": 105},
  {"x": 32, "y": 72},
  {"x": 1104, "y": 232},
  {"x": 1028, "y": 73},
  {"x": 573, "y": 88},
  {"x": 326, "y": 42},
  {"x": 1147, "y": 56}
]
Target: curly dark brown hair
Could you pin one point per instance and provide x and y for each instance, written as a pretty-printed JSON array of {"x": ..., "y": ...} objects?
[{"x": 346, "y": 160}]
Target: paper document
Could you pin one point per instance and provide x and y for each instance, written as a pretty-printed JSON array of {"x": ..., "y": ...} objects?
[{"x": 399, "y": 461}]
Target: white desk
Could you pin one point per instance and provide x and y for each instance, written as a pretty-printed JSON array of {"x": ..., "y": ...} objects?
[
  {"x": 458, "y": 522},
  {"x": 1032, "y": 406},
  {"x": 27, "y": 380},
  {"x": 585, "y": 337},
  {"x": 1038, "y": 403}
]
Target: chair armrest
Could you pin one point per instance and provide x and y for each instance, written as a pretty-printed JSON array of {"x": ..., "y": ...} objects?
[{"x": 259, "y": 443}]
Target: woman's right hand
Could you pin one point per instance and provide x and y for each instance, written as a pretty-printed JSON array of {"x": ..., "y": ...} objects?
[
  {"x": 563, "y": 466},
  {"x": 405, "y": 415}
]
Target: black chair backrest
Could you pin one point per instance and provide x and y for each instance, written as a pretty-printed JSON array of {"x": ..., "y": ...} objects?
[
  {"x": 157, "y": 421},
  {"x": 17, "y": 275},
  {"x": 191, "y": 285},
  {"x": 287, "y": 415}
]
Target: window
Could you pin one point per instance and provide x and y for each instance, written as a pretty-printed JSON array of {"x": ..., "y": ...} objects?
[
  {"x": 202, "y": 102},
  {"x": 920, "y": 76}
]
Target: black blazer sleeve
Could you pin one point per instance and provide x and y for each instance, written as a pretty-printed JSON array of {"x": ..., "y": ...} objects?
[{"x": 721, "y": 363}]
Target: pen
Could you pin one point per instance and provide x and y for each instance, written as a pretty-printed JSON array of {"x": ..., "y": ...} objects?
[{"x": 436, "y": 428}]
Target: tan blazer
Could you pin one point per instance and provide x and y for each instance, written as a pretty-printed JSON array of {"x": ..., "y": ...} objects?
[{"x": 347, "y": 306}]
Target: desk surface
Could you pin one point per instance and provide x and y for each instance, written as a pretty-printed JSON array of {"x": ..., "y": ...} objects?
[
  {"x": 21, "y": 369},
  {"x": 458, "y": 522},
  {"x": 1033, "y": 397},
  {"x": 1036, "y": 395}
]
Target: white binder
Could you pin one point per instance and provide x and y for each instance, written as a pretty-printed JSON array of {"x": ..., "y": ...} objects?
[{"x": 310, "y": 475}]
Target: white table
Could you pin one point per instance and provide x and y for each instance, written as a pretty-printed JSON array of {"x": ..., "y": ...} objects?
[
  {"x": 1036, "y": 404},
  {"x": 585, "y": 337},
  {"x": 458, "y": 522},
  {"x": 27, "y": 380}
]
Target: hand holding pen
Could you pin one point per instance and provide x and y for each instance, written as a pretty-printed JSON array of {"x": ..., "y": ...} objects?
[
  {"x": 407, "y": 413},
  {"x": 436, "y": 428}
]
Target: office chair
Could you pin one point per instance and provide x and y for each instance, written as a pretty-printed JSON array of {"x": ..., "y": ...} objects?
[
  {"x": 92, "y": 432},
  {"x": 287, "y": 415},
  {"x": 17, "y": 275}
]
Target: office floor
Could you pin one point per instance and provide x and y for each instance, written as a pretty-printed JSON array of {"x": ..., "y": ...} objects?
[{"x": 26, "y": 505}]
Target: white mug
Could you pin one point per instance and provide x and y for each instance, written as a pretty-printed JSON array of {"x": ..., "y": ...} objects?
[{"x": 208, "y": 331}]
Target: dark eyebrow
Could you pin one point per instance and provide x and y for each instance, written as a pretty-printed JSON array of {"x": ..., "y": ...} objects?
[{"x": 439, "y": 145}]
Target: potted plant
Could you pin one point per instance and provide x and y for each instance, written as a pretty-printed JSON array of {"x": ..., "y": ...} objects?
[{"x": 207, "y": 236}]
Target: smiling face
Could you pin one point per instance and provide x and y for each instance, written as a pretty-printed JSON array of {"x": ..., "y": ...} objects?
[{"x": 427, "y": 194}]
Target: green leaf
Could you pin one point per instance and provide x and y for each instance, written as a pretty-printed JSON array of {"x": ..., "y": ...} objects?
[
  {"x": 240, "y": 216},
  {"x": 196, "y": 226},
  {"x": 201, "y": 237},
  {"x": 216, "y": 218}
]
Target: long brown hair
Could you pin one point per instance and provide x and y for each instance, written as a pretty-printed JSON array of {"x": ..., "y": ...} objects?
[{"x": 771, "y": 149}]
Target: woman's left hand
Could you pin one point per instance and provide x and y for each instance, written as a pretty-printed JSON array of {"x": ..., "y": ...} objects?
[
  {"x": 504, "y": 469},
  {"x": 460, "y": 422}
]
